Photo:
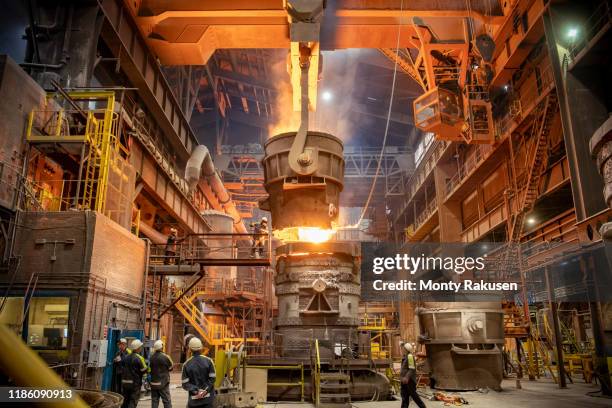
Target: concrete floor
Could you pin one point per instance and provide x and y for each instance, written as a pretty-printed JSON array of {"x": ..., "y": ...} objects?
[{"x": 537, "y": 394}]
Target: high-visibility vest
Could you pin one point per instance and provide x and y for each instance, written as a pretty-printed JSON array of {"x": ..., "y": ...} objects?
[{"x": 411, "y": 362}]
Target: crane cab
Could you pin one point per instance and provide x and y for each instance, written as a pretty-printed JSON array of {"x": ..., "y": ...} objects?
[{"x": 440, "y": 111}]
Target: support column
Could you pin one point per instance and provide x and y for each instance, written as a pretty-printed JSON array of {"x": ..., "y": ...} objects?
[{"x": 558, "y": 340}]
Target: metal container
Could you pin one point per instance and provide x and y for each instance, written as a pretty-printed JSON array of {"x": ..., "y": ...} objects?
[
  {"x": 318, "y": 290},
  {"x": 220, "y": 246},
  {"x": 464, "y": 343},
  {"x": 303, "y": 200}
]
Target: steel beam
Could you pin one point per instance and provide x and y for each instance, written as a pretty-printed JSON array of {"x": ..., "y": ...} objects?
[
  {"x": 181, "y": 33},
  {"x": 143, "y": 70}
]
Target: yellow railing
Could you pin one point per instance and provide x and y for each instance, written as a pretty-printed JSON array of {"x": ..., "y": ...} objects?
[
  {"x": 97, "y": 128},
  {"x": 317, "y": 375}
]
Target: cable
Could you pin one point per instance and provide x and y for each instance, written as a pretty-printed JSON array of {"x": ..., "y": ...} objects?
[{"x": 384, "y": 143}]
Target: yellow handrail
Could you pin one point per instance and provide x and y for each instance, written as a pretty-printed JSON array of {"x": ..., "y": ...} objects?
[{"x": 317, "y": 374}]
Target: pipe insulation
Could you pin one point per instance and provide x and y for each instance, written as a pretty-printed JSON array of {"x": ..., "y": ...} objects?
[{"x": 200, "y": 164}]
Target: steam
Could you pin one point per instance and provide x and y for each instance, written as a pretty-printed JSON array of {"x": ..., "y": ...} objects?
[{"x": 337, "y": 80}]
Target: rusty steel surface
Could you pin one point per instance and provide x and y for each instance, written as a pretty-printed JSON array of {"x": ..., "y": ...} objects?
[
  {"x": 318, "y": 289},
  {"x": 464, "y": 342},
  {"x": 303, "y": 200}
]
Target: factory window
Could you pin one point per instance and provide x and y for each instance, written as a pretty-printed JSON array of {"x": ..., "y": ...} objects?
[
  {"x": 12, "y": 313},
  {"x": 48, "y": 322},
  {"x": 422, "y": 147}
]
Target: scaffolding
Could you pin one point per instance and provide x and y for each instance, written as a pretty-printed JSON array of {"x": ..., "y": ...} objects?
[{"x": 90, "y": 130}]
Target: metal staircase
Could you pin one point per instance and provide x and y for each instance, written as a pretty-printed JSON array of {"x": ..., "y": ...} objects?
[
  {"x": 199, "y": 321},
  {"x": 539, "y": 134},
  {"x": 331, "y": 389},
  {"x": 334, "y": 390}
]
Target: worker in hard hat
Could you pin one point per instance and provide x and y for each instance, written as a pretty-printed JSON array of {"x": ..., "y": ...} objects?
[
  {"x": 260, "y": 229},
  {"x": 199, "y": 376},
  {"x": 161, "y": 365},
  {"x": 134, "y": 368},
  {"x": 408, "y": 377},
  {"x": 122, "y": 352},
  {"x": 170, "y": 246}
]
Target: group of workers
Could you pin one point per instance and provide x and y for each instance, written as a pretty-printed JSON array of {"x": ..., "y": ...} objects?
[{"x": 198, "y": 376}]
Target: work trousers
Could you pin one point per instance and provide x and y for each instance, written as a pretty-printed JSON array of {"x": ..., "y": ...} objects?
[
  {"x": 410, "y": 391},
  {"x": 131, "y": 395},
  {"x": 164, "y": 394}
]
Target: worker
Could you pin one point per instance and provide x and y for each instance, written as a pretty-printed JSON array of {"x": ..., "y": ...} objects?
[
  {"x": 122, "y": 352},
  {"x": 408, "y": 378},
  {"x": 260, "y": 230},
  {"x": 161, "y": 365},
  {"x": 170, "y": 246},
  {"x": 134, "y": 368},
  {"x": 199, "y": 377}
]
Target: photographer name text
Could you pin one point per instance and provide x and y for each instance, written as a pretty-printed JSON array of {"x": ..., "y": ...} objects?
[{"x": 450, "y": 286}]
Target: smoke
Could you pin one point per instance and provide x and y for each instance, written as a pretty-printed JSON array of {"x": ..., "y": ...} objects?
[
  {"x": 285, "y": 119},
  {"x": 334, "y": 93}
]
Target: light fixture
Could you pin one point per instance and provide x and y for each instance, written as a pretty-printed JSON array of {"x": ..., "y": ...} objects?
[
  {"x": 531, "y": 221},
  {"x": 506, "y": 87},
  {"x": 327, "y": 96},
  {"x": 572, "y": 33}
]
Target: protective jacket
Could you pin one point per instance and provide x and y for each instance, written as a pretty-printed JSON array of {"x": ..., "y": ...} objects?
[
  {"x": 161, "y": 365},
  {"x": 134, "y": 367},
  {"x": 199, "y": 374}
]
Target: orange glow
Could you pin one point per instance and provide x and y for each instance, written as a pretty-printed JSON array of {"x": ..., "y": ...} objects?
[
  {"x": 304, "y": 234},
  {"x": 314, "y": 235}
]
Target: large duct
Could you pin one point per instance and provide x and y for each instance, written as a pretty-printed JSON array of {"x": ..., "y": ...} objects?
[
  {"x": 155, "y": 236},
  {"x": 201, "y": 162}
]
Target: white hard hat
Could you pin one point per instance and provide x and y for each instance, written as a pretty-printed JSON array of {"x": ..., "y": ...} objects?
[
  {"x": 264, "y": 219},
  {"x": 195, "y": 344},
  {"x": 123, "y": 340},
  {"x": 158, "y": 345},
  {"x": 135, "y": 345},
  {"x": 408, "y": 347}
]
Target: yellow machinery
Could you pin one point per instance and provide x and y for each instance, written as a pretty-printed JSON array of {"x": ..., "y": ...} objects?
[
  {"x": 230, "y": 367},
  {"x": 378, "y": 328}
]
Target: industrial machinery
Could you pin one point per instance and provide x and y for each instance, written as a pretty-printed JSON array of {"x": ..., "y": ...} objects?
[
  {"x": 455, "y": 78},
  {"x": 317, "y": 283},
  {"x": 307, "y": 197},
  {"x": 230, "y": 380},
  {"x": 318, "y": 289},
  {"x": 464, "y": 343}
]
